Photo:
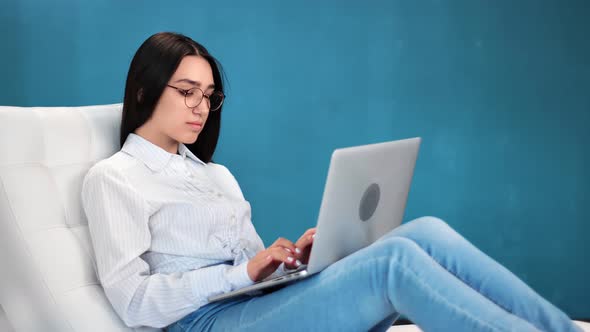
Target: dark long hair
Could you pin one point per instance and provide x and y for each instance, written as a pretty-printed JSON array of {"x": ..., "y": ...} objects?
[{"x": 153, "y": 64}]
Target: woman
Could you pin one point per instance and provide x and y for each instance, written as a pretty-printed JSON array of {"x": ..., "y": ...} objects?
[{"x": 170, "y": 228}]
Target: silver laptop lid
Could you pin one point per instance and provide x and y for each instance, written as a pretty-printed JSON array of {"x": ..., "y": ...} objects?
[{"x": 364, "y": 197}]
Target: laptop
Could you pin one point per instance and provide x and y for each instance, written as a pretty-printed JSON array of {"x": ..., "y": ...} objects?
[{"x": 364, "y": 198}]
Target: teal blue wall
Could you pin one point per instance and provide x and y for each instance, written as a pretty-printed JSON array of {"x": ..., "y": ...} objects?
[{"x": 499, "y": 91}]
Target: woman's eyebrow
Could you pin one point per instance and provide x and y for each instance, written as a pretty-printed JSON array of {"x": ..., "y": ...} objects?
[{"x": 195, "y": 83}]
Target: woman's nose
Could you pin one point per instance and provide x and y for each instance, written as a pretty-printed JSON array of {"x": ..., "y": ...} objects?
[{"x": 201, "y": 108}]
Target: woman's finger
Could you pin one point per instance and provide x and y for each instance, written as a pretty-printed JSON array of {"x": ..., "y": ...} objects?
[
  {"x": 310, "y": 231},
  {"x": 287, "y": 245},
  {"x": 274, "y": 256},
  {"x": 306, "y": 239},
  {"x": 279, "y": 254}
]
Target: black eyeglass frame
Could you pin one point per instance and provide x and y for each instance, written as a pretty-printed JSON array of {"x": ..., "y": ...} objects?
[{"x": 185, "y": 92}]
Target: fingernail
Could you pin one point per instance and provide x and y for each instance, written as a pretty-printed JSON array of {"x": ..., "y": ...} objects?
[
  {"x": 297, "y": 250},
  {"x": 313, "y": 236},
  {"x": 297, "y": 263},
  {"x": 288, "y": 250},
  {"x": 290, "y": 259},
  {"x": 268, "y": 257}
]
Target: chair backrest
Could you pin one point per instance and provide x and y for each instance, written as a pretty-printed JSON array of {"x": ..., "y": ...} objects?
[{"x": 48, "y": 280}]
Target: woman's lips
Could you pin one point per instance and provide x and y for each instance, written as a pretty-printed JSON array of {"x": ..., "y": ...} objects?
[{"x": 195, "y": 125}]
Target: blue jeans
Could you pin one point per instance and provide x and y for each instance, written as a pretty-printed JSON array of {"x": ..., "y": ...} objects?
[{"x": 422, "y": 269}]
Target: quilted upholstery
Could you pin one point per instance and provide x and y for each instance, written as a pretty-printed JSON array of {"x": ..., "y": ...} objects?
[{"x": 48, "y": 280}]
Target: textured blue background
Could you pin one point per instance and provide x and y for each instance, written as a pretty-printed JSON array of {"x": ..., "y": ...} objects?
[{"x": 499, "y": 91}]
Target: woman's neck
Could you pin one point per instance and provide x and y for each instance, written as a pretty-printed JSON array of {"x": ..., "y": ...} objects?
[{"x": 158, "y": 139}]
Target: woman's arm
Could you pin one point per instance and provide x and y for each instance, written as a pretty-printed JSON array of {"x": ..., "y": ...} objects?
[{"x": 118, "y": 224}]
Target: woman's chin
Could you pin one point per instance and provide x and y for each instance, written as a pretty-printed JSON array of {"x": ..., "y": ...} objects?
[{"x": 190, "y": 138}]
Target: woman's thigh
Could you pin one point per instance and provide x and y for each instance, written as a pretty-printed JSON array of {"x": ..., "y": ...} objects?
[{"x": 346, "y": 296}]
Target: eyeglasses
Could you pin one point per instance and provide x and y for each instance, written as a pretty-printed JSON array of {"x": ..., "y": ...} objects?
[{"x": 194, "y": 96}]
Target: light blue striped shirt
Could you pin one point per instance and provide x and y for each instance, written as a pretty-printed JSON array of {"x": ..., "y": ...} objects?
[{"x": 168, "y": 231}]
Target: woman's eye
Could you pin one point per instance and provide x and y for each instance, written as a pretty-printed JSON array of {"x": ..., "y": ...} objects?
[{"x": 189, "y": 93}]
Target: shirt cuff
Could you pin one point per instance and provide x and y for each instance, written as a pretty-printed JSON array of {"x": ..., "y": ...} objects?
[{"x": 238, "y": 277}]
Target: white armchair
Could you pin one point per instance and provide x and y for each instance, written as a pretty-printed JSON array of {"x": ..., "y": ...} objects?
[{"x": 48, "y": 280}]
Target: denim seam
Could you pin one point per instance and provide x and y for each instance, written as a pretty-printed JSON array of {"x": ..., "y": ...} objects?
[
  {"x": 468, "y": 284},
  {"x": 484, "y": 294},
  {"x": 477, "y": 289},
  {"x": 441, "y": 298}
]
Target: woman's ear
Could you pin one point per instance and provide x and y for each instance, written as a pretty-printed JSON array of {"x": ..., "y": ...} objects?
[{"x": 140, "y": 95}]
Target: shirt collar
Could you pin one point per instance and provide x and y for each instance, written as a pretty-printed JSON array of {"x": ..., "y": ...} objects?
[
  {"x": 152, "y": 155},
  {"x": 186, "y": 152}
]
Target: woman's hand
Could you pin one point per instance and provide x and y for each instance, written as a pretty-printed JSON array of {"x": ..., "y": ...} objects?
[
  {"x": 282, "y": 251},
  {"x": 267, "y": 261}
]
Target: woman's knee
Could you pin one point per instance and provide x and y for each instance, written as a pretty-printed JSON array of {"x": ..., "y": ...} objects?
[
  {"x": 423, "y": 228},
  {"x": 432, "y": 224},
  {"x": 397, "y": 247}
]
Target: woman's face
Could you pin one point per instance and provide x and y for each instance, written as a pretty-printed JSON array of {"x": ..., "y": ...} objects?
[{"x": 170, "y": 121}]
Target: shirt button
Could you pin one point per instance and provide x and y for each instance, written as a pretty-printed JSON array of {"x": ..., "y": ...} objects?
[{"x": 219, "y": 195}]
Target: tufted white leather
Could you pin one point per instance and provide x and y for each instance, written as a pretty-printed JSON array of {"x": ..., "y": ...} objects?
[{"x": 48, "y": 280}]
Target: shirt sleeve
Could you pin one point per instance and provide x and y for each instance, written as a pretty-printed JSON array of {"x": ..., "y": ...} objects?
[{"x": 118, "y": 224}]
